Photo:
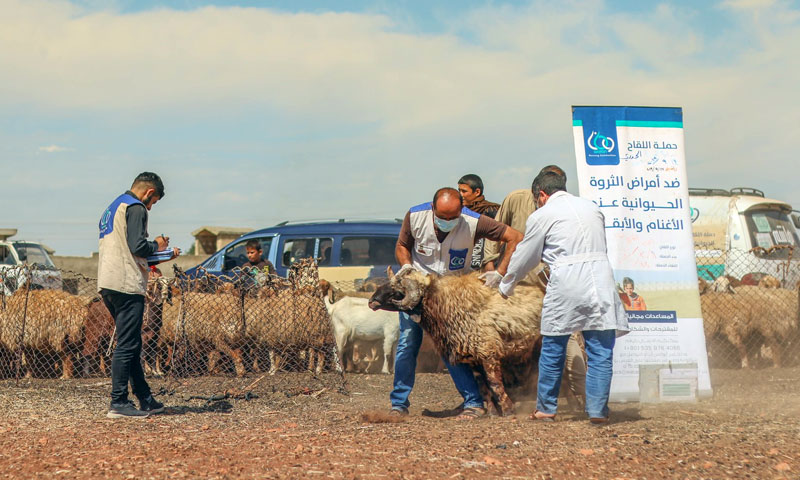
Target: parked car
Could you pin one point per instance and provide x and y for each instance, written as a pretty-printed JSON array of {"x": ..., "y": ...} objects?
[
  {"x": 347, "y": 250},
  {"x": 14, "y": 254}
]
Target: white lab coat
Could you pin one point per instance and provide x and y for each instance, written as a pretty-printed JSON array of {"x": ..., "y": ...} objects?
[{"x": 568, "y": 234}]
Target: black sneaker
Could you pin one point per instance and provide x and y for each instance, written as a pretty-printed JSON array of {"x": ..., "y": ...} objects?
[
  {"x": 398, "y": 412},
  {"x": 150, "y": 405},
  {"x": 127, "y": 409}
]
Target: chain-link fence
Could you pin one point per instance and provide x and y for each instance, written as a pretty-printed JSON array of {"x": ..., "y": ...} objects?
[
  {"x": 249, "y": 323},
  {"x": 54, "y": 324},
  {"x": 749, "y": 302}
]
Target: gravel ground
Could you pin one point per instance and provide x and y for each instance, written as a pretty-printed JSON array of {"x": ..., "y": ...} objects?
[{"x": 57, "y": 428}]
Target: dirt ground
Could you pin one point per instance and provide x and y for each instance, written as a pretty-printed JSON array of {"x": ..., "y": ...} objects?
[{"x": 54, "y": 428}]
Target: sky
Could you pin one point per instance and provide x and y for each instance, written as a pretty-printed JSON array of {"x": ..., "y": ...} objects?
[{"x": 256, "y": 112}]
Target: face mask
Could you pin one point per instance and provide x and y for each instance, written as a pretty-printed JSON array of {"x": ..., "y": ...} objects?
[{"x": 445, "y": 225}]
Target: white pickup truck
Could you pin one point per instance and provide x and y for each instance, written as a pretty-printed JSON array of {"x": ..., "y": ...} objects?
[{"x": 20, "y": 259}]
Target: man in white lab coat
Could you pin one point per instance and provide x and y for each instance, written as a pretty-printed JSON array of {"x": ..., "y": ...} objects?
[{"x": 568, "y": 233}]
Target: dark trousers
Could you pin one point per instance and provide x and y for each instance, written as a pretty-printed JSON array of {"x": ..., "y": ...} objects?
[{"x": 126, "y": 365}]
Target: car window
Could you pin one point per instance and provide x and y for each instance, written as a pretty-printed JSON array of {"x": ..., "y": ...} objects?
[
  {"x": 6, "y": 258},
  {"x": 236, "y": 255},
  {"x": 770, "y": 228},
  {"x": 33, "y": 254},
  {"x": 295, "y": 249},
  {"x": 367, "y": 251}
]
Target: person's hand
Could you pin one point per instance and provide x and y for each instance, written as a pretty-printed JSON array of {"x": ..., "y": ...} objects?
[
  {"x": 491, "y": 279},
  {"x": 176, "y": 252},
  {"x": 163, "y": 242},
  {"x": 405, "y": 268}
]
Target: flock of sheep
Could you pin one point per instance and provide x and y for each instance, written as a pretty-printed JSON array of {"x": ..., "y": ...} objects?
[
  {"x": 294, "y": 324},
  {"x": 764, "y": 317}
]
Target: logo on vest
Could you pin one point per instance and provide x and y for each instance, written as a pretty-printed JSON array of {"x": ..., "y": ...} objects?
[{"x": 458, "y": 258}]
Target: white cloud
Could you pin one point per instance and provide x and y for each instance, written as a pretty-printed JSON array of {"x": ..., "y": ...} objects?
[
  {"x": 748, "y": 4},
  {"x": 55, "y": 149},
  {"x": 419, "y": 109}
]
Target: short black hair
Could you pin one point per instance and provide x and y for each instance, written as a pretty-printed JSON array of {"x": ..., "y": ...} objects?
[
  {"x": 449, "y": 191},
  {"x": 554, "y": 169},
  {"x": 549, "y": 183},
  {"x": 151, "y": 180},
  {"x": 253, "y": 243},
  {"x": 473, "y": 181}
]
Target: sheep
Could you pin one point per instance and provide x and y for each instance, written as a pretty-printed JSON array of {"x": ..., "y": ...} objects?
[
  {"x": 212, "y": 324},
  {"x": 768, "y": 281},
  {"x": 748, "y": 313},
  {"x": 468, "y": 322},
  {"x": 775, "y": 316},
  {"x": 285, "y": 321},
  {"x": 727, "y": 315},
  {"x": 354, "y": 322},
  {"x": 99, "y": 331},
  {"x": 54, "y": 325}
]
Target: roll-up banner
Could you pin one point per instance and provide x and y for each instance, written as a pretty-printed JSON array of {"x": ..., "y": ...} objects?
[{"x": 631, "y": 163}]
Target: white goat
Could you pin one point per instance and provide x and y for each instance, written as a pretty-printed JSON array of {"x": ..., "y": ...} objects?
[{"x": 353, "y": 321}]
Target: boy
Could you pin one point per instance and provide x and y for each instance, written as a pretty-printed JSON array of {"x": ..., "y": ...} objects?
[{"x": 630, "y": 299}]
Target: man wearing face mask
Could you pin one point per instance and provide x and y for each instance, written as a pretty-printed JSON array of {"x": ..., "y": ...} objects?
[
  {"x": 122, "y": 274},
  {"x": 437, "y": 238}
]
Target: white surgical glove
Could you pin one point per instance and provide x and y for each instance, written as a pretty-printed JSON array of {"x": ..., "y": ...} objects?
[
  {"x": 491, "y": 279},
  {"x": 405, "y": 268}
]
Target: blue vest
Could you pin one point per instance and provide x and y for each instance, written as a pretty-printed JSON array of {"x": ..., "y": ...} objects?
[{"x": 107, "y": 220}]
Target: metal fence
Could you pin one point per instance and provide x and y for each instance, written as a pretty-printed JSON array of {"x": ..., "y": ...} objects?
[
  {"x": 749, "y": 302},
  {"x": 54, "y": 324}
]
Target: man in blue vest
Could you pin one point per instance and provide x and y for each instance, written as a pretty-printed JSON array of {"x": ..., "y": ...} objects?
[
  {"x": 122, "y": 274},
  {"x": 437, "y": 238}
]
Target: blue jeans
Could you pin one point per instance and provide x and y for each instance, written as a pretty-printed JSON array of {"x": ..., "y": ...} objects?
[
  {"x": 599, "y": 350},
  {"x": 405, "y": 366}
]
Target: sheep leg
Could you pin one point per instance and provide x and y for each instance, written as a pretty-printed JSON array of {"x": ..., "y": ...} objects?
[
  {"x": 387, "y": 352},
  {"x": 494, "y": 375},
  {"x": 483, "y": 384},
  {"x": 320, "y": 361},
  {"x": 213, "y": 358},
  {"x": 275, "y": 362},
  {"x": 67, "y": 362},
  {"x": 775, "y": 348}
]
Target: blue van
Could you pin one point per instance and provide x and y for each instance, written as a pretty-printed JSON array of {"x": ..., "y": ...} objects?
[{"x": 349, "y": 251}]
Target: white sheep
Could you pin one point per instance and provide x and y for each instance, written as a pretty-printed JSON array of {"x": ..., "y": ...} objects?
[{"x": 354, "y": 322}]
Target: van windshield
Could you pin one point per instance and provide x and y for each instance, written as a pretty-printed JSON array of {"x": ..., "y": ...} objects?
[
  {"x": 769, "y": 229},
  {"x": 33, "y": 254}
]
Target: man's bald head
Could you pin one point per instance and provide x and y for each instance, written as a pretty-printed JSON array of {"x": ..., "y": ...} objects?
[
  {"x": 554, "y": 169},
  {"x": 447, "y": 203}
]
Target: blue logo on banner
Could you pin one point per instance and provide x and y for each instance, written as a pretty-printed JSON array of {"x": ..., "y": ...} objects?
[
  {"x": 600, "y": 143},
  {"x": 458, "y": 258}
]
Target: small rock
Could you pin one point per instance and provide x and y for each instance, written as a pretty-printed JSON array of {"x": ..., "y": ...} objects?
[
  {"x": 783, "y": 467},
  {"x": 586, "y": 451},
  {"x": 492, "y": 461},
  {"x": 502, "y": 446}
]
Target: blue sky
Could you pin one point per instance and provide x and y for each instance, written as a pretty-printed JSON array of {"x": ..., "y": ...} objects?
[{"x": 259, "y": 112}]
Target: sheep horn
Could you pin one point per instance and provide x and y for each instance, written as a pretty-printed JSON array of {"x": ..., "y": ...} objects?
[{"x": 413, "y": 295}]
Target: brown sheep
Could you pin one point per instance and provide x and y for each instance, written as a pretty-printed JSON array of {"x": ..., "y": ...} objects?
[
  {"x": 212, "y": 325},
  {"x": 470, "y": 323},
  {"x": 775, "y": 316},
  {"x": 54, "y": 323},
  {"x": 727, "y": 315}
]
